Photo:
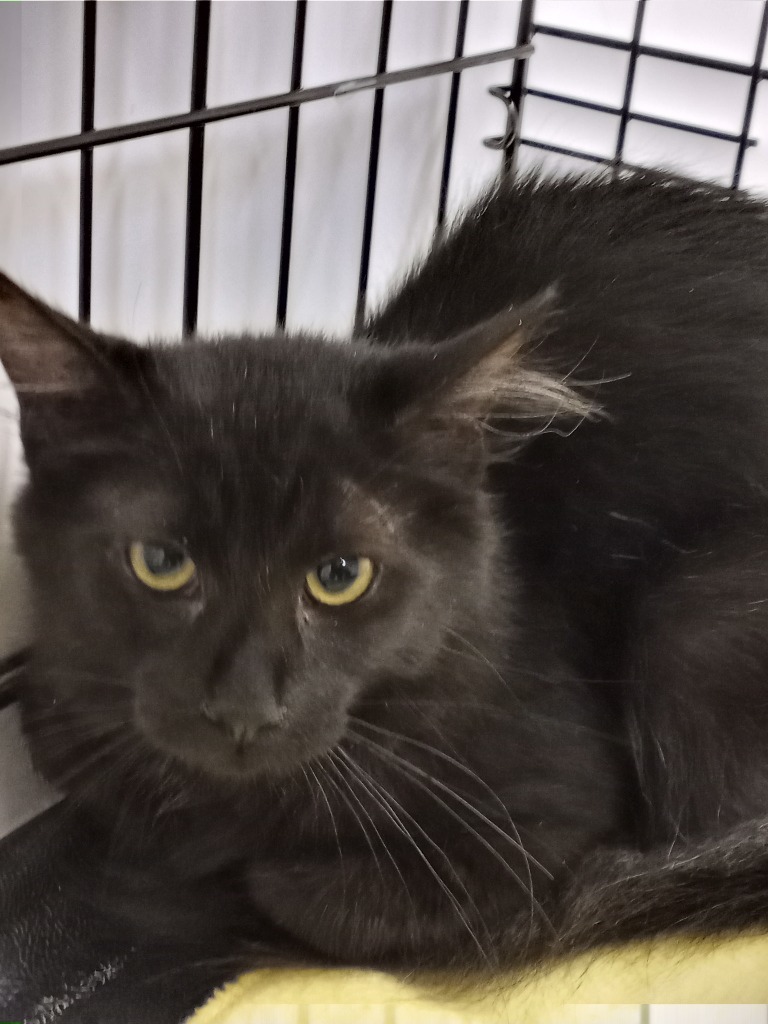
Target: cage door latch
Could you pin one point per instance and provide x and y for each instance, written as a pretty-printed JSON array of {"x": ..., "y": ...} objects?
[{"x": 504, "y": 93}]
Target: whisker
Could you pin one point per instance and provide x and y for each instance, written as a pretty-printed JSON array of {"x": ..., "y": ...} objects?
[
  {"x": 516, "y": 843},
  {"x": 528, "y": 886},
  {"x": 385, "y": 800},
  {"x": 335, "y": 830},
  {"x": 117, "y": 744},
  {"x": 342, "y": 795},
  {"x": 359, "y": 775},
  {"x": 174, "y": 796},
  {"x": 407, "y": 767},
  {"x": 476, "y": 650},
  {"x": 313, "y": 792},
  {"x": 416, "y": 703},
  {"x": 378, "y": 792},
  {"x": 462, "y": 766}
]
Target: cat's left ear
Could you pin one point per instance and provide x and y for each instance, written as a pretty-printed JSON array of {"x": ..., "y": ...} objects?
[
  {"x": 486, "y": 372},
  {"x": 44, "y": 352},
  {"x": 64, "y": 374}
]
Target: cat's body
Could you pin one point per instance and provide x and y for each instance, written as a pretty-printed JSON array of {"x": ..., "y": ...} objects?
[
  {"x": 660, "y": 510},
  {"x": 556, "y": 677}
]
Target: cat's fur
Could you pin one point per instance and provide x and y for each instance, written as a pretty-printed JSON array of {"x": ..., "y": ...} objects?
[{"x": 548, "y": 717}]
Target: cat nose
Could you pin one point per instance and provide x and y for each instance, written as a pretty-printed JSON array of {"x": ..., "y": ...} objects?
[{"x": 242, "y": 725}]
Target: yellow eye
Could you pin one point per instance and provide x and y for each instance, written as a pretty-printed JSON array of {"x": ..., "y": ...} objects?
[
  {"x": 340, "y": 580},
  {"x": 164, "y": 567}
]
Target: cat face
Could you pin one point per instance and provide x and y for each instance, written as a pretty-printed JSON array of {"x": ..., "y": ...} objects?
[{"x": 233, "y": 543}]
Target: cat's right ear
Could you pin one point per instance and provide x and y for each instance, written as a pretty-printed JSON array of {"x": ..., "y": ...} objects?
[
  {"x": 56, "y": 365},
  {"x": 481, "y": 374}
]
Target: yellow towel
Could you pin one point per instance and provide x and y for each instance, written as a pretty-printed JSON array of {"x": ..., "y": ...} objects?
[{"x": 590, "y": 988}]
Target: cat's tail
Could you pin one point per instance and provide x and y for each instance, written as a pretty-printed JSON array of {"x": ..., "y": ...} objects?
[{"x": 702, "y": 889}]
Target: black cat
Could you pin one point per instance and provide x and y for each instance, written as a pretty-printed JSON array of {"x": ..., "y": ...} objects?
[{"x": 447, "y": 646}]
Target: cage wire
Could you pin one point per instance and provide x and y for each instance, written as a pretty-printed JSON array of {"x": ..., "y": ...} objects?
[{"x": 583, "y": 85}]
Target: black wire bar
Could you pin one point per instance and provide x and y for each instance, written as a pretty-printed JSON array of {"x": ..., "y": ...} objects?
[
  {"x": 630, "y": 115},
  {"x": 517, "y": 91},
  {"x": 292, "y": 146},
  {"x": 757, "y": 74},
  {"x": 453, "y": 106},
  {"x": 629, "y": 83},
  {"x": 294, "y": 98},
  {"x": 195, "y": 167},
  {"x": 87, "y": 97},
  {"x": 373, "y": 165}
]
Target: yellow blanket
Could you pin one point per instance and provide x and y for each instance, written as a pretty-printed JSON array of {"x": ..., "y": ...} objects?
[{"x": 717, "y": 971}]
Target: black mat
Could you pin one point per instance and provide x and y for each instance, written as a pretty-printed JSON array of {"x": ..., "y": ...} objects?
[{"x": 65, "y": 958}]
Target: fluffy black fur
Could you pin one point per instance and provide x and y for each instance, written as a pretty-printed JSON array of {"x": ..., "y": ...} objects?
[{"x": 543, "y": 728}]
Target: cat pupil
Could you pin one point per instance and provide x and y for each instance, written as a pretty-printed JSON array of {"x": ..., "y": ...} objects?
[
  {"x": 162, "y": 560},
  {"x": 337, "y": 574}
]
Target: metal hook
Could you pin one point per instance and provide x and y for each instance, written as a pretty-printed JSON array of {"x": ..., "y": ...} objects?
[{"x": 504, "y": 93}]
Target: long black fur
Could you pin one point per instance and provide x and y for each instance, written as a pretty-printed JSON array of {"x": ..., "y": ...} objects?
[{"x": 544, "y": 727}]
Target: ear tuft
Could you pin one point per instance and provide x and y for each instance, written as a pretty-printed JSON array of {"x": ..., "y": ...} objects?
[
  {"x": 484, "y": 373},
  {"x": 496, "y": 379}
]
